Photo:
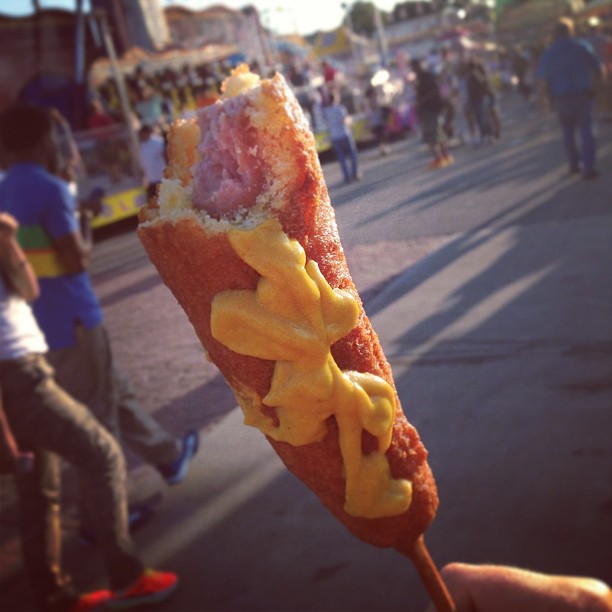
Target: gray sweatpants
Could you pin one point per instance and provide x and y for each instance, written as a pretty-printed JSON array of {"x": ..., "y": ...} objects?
[{"x": 88, "y": 373}]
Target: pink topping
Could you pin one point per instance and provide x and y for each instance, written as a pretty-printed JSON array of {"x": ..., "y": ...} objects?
[{"x": 230, "y": 175}]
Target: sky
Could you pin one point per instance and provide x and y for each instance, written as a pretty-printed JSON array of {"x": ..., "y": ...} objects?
[{"x": 283, "y": 16}]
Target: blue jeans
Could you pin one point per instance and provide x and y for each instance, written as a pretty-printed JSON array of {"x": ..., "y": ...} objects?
[
  {"x": 345, "y": 147},
  {"x": 575, "y": 115}
]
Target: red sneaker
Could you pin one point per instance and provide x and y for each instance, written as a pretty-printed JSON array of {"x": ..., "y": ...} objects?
[
  {"x": 151, "y": 588},
  {"x": 434, "y": 164},
  {"x": 90, "y": 602}
]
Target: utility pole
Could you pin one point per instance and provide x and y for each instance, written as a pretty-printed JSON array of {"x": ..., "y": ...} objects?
[
  {"x": 79, "y": 51},
  {"x": 126, "y": 109}
]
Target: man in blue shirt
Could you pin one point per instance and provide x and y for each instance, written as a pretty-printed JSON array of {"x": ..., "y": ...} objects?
[
  {"x": 341, "y": 134},
  {"x": 570, "y": 69}
]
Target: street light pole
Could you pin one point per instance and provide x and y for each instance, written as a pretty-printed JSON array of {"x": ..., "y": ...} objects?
[
  {"x": 382, "y": 39},
  {"x": 351, "y": 34}
]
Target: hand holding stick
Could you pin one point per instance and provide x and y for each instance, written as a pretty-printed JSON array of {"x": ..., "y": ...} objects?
[{"x": 430, "y": 576}]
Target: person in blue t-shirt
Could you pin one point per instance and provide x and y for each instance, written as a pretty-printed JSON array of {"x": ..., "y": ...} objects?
[
  {"x": 570, "y": 70},
  {"x": 341, "y": 135},
  {"x": 68, "y": 311}
]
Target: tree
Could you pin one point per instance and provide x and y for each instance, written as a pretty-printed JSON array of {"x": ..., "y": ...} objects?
[{"x": 362, "y": 18}]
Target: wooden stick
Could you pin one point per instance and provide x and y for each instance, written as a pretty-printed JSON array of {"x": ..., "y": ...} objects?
[{"x": 430, "y": 576}]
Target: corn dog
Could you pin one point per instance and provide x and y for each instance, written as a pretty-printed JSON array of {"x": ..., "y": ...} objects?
[{"x": 243, "y": 233}]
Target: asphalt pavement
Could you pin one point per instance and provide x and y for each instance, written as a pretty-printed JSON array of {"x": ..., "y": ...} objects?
[{"x": 490, "y": 286}]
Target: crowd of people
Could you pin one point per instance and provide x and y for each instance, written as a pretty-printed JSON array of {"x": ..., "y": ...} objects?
[
  {"x": 455, "y": 97},
  {"x": 62, "y": 394},
  {"x": 464, "y": 107}
]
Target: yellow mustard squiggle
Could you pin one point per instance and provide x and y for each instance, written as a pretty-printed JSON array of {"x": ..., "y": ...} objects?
[{"x": 292, "y": 318}]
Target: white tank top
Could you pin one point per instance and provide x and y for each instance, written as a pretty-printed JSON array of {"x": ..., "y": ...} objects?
[{"x": 19, "y": 332}]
